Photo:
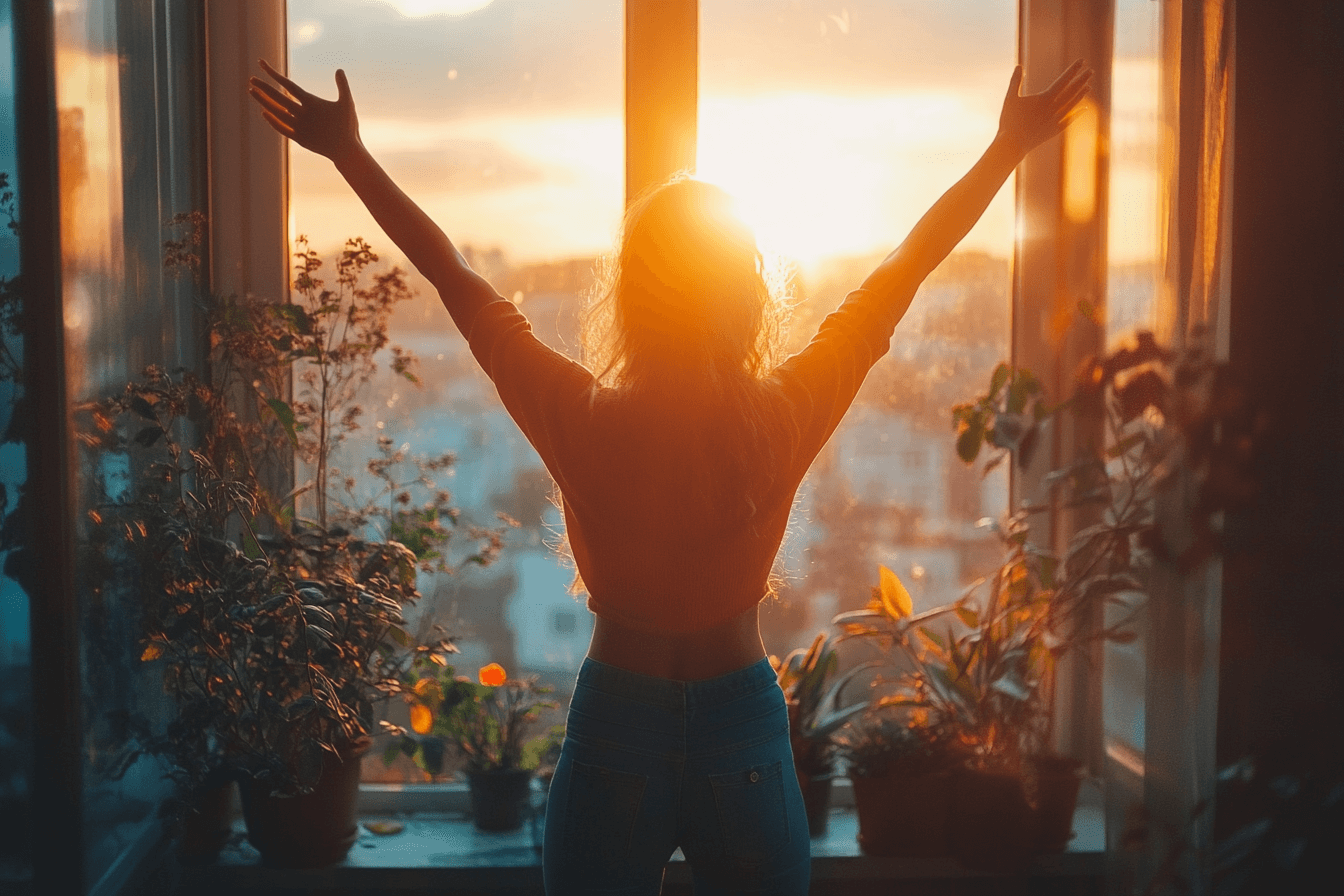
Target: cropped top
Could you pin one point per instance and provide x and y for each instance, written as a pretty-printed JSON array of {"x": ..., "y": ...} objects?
[{"x": 653, "y": 556}]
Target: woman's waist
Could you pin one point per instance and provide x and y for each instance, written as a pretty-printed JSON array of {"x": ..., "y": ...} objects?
[{"x": 730, "y": 646}]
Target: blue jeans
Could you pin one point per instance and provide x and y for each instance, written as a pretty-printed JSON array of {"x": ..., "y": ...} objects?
[{"x": 650, "y": 764}]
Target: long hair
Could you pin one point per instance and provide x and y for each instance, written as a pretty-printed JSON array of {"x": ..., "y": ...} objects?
[{"x": 688, "y": 307}]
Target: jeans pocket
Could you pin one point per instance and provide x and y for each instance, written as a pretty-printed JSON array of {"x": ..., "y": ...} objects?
[
  {"x": 601, "y": 809},
  {"x": 753, "y": 817}
]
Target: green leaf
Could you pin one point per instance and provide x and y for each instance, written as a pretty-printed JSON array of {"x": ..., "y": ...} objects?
[
  {"x": 968, "y": 616},
  {"x": 1010, "y": 685},
  {"x": 997, "y": 380},
  {"x": 970, "y": 439},
  {"x": 400, "y": 636},
  {"x": 148, "y": 436},
  {"x": 143, "y": 408},
  {"x": 285, "y": 414},
  {"x": 294, "y": 315}
]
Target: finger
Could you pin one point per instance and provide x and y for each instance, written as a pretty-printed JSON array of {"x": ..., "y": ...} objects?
[
  {"x": 1069, "y": 94},
  {"x": 1070, "y": 116},
  {"x": 280, "y": 127},
  {"x": 342, "y": 87},
  {"x": 297, "y": 91},
  {"x": 1075, "y": 95},
  {"x": 1067, "y": 77},
  {"x": 1015, "y": 82},
  {"x": 272, "y": 98}
]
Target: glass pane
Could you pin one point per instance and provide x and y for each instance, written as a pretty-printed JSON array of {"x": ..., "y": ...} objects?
[
  {"x": 837, "y": 125},
  {"x": 504, "y": 121},
  {"x": 16, "y": 716},
  {"x": 1132, "y": 281},
  {"x": 124, "y": 73}
]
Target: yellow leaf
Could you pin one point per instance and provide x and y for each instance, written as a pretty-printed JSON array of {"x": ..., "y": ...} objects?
[
  {"x": 422, "y": 718},
  {"x": 152, "y": 652},
  {"x": 384, "y": 828},
  {"x": 895, "y": 599}
]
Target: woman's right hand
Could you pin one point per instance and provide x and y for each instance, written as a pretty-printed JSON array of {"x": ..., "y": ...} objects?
[{"x": 326, "y": 127}]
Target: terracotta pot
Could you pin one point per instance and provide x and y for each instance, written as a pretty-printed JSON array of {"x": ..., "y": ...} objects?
[
  {"x": 1052, "y": 785},
  {"x": 993, "y": 828},
  {"x": 207, "y": 825},
  {"x": 500, "y": 799},
  {"x": 311, "y": 830},
  {"x": 903, "y": 815},
  {"x": 816, "y": 800}
]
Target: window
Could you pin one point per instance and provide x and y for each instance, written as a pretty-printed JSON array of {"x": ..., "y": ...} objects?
[{"x": 504, "y": 120}]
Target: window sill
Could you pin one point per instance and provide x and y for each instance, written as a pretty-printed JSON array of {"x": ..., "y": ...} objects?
[{"x": 442, "y": 851}]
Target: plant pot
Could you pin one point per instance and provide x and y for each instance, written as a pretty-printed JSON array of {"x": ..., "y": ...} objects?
[
  {"x": 207, "y": 825},
  {"x": 903, "y": 814},
  {"x": 993, "y": 828},
  {"x": 500, "y": 798},
  {"x": 1052, "y": 784},
  {"x": 816, "y": 799},
  {"x": 313, "y": 829}
]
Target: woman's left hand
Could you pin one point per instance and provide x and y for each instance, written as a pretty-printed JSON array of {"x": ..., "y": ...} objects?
[
  {"x": 326, "y": 127},
  {"x": 1028, "y": 121}
]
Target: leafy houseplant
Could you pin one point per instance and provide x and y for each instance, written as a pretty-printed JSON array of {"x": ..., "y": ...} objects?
[
  {"x": 277, "y": 634},
  {"x": 986, "y": 671},
  {"x": 804, "y": 677},
  {"x": 485, "y": 723}
]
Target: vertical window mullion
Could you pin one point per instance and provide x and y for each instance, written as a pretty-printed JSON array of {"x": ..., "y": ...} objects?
[
  {"x": 58, "y": 766},
  {"x": 1060, "y": 262},
  {"x": 661, "y": 70}
]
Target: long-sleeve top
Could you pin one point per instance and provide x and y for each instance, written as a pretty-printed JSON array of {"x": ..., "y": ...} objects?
[{"x": 653, "y": 548}]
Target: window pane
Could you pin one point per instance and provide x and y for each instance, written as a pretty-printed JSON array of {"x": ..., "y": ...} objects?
[
  {"x": 1132, "y": 283},
  {"x": 504, "y": 121},
  {"x": 129, "y": 160},
  {"x": 16, "y": 712},
  {"x": 836, "y": 125}
]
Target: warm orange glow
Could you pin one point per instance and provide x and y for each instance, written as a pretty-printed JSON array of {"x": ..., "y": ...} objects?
[
  {"x": 823, "y": 175},
  {"x": 422, "y": 718},
  {"x": 493, "y": 675},
  {"x": 1080, "y": 164}
]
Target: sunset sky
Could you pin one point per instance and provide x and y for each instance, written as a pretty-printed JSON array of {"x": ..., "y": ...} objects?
[{"x": 835, "y": 123}]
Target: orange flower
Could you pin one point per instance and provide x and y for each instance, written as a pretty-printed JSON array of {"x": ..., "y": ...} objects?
[
  {"x": 493, "y": 675},
  {"x": 422, "y": 718}
]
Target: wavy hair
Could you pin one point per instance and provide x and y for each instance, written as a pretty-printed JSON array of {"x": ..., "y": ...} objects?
[{"x": 688, "y": 306}]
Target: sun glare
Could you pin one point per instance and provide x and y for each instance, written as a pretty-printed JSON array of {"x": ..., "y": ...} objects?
[
  {"x": 415, "y": 9},
  {"x": 820, "y": 176}
]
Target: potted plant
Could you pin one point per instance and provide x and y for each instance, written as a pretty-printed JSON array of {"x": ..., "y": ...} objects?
[
  {"x": 987, "y": 670},
  {"x": 485, "y": 723},
  {"x": 901, "y": 770},
  {"x": 814, "y": 715},
  {"x": 277, "y": 634}
]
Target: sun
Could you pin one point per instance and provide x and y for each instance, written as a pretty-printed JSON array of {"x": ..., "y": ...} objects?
[
  {"x": 820, "y": 176},
  {"x": 415, "y": 9}
]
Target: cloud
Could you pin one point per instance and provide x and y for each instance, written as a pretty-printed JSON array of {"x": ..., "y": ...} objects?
[
  {"x": 877, "y": 46},
  {"x": 513, "y": 56},
  {"x": 532, "y": 57}
]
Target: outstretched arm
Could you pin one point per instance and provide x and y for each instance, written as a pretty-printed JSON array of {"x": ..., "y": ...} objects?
[
  {"x": 1025, "y": 123},
  {"x": 331, "y": 128}
]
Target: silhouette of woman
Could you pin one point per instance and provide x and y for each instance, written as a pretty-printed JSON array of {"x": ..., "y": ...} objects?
[{"x": 677, "y": 452}]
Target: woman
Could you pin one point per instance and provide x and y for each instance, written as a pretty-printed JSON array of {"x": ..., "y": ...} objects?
[{"x": 677, "y": 456}]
